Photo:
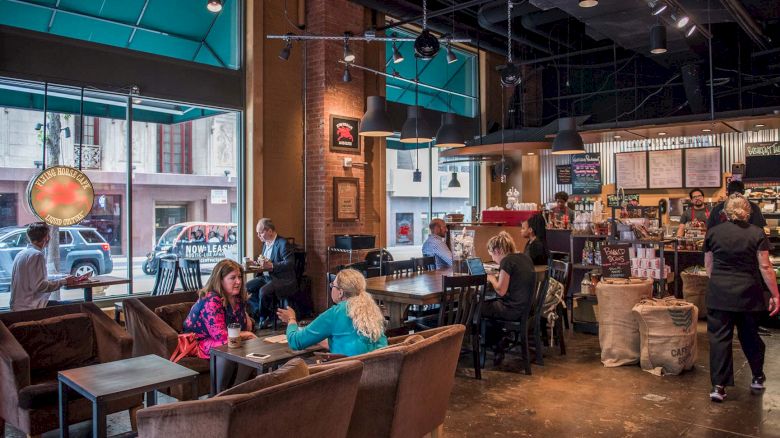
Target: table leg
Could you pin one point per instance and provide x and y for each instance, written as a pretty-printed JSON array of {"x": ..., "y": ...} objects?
[
  {"x": 195, "y": 388},
  {"x": 213, "y": 375},
  {"x": 87, "y": 294},
  {"x": 151, "y": 398},
  {"x": 98, "y": 420},
  {"x": 63, "y": 393},
  {"x": 396, "y": 311}
]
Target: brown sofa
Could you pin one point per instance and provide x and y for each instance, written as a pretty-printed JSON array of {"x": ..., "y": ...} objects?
[
  {"x": 36, "y": 344},
  {"x": 405, "y": 387},
  {"x": 154, "y": 322},
  {"x": 294, "y": 401}
]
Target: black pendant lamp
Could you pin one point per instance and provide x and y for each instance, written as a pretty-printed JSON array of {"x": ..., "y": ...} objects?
[
  {"x": 454, "y": 181},
  {"x": 568, "y": 140},
  {"x": 375, "y": 122},
  {"x": 426, "y": 46},
  {"x": 415, "y": 129},
  {"x": 658, "y": 39},
  {"x": 449, "y": 135}
]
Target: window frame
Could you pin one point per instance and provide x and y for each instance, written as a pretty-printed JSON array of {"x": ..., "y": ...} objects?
[{"x": 165, "y": 160}]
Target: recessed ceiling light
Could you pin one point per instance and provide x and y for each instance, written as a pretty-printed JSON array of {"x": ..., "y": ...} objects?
[
  {"x": 760, "y": 125},
  {"x": 531, "y": 153},
  {"x": 706, "y": 130},
  {"x": 661, "y": 133},
  {"x": 617, "y": 137},
  {"x": 588, "y": 3}
]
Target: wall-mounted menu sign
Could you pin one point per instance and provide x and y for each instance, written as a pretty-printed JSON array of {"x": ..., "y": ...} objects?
[
  {"x": 615, "y": 200},
  {"x": 703, "y": 167},
  {"x": 631, "y": 170},
  {"x": 563, "y": 174},
  {"x": 615, "y": 261},
  {"x": 762, "y": 161},
  {"x": 666, "y": 169},
  {"x": 586, "y": 174}
]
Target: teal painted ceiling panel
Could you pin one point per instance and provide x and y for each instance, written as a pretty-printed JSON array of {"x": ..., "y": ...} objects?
[{"x": 174, "y": 28}]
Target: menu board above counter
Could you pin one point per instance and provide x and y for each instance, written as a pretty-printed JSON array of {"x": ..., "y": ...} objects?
[
  {"x": 586, "y": 173},
  {"x": 631, "y": 170},
  {"x": 666, "y": 169},
  {"x": 703, "y": 167}
]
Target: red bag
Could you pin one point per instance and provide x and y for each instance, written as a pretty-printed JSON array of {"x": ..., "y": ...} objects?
[{"x": 187, "y": 346}]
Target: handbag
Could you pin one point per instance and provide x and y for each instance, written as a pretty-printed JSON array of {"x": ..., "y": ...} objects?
[{"x": 187, "y": 345}]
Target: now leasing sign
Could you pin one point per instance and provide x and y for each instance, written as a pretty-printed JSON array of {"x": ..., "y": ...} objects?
[{"x": 61, "y": 196}]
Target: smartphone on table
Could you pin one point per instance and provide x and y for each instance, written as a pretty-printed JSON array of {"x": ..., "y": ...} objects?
[{"x": 258, "y": 356}]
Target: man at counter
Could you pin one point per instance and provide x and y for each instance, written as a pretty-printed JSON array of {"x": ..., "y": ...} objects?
[
  {"x": 697, "y": 213},
  {"x": 436, "y": 245},
  {"x": 561, "y": 209},
  {"x": 718, "y": 216}
]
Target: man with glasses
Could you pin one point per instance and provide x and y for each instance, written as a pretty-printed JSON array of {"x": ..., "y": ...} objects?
[
  {"x": 698, "y": 213},
  {"x": 278, "y": 278}
]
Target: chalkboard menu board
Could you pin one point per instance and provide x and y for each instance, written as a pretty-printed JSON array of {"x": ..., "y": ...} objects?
[
  {"x": 762, "y": 161},
  {"x": 631, "y": 170},
  {"x": 703, "y": 168},
  {"x": 615, "y": 201},
  {"x": 586, "y": 173},
  {"x": 615, "y": 261},
  {"x": 666, "y": 169},
  {"x": 563, "y": 174}
]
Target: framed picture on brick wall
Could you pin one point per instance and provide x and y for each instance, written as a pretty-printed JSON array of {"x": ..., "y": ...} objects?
[
  {"x": 346, "y": 199},
  {"x": 344, "y": 134}
]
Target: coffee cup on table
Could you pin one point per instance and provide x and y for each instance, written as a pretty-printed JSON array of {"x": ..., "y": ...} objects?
[{"x": 234, "y": 335}]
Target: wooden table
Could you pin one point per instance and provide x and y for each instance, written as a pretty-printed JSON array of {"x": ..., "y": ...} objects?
[
  {"x": 97, "y": 281},
  {"x": 398, "y": 292},
  {"x": 114, "y": 380},
  {"x": 278, "y": 354}
]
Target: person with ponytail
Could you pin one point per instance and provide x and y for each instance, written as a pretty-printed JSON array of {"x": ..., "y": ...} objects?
[{"x": 353, "y": 325}]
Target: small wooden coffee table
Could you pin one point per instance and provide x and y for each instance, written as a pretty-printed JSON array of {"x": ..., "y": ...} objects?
[
  {"x": 97, "y": 281},
  {"x": 277, "y": 354},
  {"x": 114, "y": 380}
]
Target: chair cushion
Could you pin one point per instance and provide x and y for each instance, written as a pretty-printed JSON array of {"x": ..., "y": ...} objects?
[
  {"x": 174, "y": 314},
  {"x": 57, "y": 343},
  {"x": 39, "y": 396},
  {"x": 195, "y": 364},
  {"x": 292, "y": 370}
]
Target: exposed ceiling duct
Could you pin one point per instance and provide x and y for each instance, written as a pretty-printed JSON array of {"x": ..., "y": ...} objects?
[{"x": 493, "y": 17}]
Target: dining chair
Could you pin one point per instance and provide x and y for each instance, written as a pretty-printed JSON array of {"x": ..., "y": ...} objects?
[
  {"x": 164, "y": 282},
  {"x": 400, "y": 267},
  {"x": 189, "y": 275},
  {"x": 561, "y": 271},
  {"x": 461, "y": 303},
  {"x": 423, "y": 264}
]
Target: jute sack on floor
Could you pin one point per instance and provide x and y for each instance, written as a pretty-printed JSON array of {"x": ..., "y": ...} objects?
[
  {"x": 618, "y": 331},
  {"x": 695, "y": 291},
  {"x": 667, "y": 330}
]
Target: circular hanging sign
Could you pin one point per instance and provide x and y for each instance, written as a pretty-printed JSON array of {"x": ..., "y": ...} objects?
[{"x": 61, "y": 195}]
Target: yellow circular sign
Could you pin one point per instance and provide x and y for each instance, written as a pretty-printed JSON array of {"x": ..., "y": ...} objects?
[{"x": 61, "y": 196}]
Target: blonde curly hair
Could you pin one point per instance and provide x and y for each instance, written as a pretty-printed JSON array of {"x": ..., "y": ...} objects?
[
  {"x": 361, "y": 308},
  {"x": 737, "y": 208},
  {"x": 501, "y": 244}
]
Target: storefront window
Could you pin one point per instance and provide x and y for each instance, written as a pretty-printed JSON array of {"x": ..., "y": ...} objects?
[{"x": 183, "y": 170}]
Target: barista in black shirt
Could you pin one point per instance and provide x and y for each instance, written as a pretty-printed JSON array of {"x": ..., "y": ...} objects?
[
  {"x": 718, "y": 216},
  {"x": 698, "y": 212},
  {"x": 536, "y": 248}
]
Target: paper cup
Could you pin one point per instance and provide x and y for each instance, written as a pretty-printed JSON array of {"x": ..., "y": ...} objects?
[{"x": 234, "y": 335}]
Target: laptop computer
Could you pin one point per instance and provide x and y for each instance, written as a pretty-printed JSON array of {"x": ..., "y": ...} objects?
[{"x": 475, "y": 266}]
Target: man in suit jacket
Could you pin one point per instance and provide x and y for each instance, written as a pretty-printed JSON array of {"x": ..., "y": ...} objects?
[{"x": 278, "y": 279}]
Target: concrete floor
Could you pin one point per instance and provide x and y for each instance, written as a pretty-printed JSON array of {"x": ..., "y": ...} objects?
[{"x": 575, "y": 396}]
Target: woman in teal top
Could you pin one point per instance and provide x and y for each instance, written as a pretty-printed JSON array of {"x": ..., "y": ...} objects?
[{"x": 354, "y": 325}]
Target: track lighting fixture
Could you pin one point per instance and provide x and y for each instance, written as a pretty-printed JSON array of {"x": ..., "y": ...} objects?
[
  {"x": 347, "y": 76},
  {"x": 214, "y": 5},
  {"x": 397, "y": 56},
  {"x": 348, "y": 55},
  {"x": 691, "y": 31},
  {"x": 451, "y": 57},
  {"x": 680, "y": 20},
  {"x": 284, "y": 55},
  {"x": 588, "y": 3},
  {"x": 659, "y": 8}
]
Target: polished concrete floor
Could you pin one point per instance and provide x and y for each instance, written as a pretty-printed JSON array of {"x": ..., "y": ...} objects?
[{"x": 575, "y": 396}]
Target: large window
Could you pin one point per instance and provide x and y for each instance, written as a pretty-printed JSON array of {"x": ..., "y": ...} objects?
[{"x": 182, "y": 165}]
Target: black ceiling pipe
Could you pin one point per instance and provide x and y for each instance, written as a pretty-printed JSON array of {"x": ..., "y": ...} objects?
[
  {"x": 492, "y": 17},
  {"x": 532, "y": 22}
]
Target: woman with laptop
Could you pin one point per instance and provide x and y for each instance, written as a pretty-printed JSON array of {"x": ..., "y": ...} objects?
[{"x": 514, "y": 286}]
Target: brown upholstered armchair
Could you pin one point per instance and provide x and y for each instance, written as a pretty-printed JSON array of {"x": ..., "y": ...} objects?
[
  {"x": 405, "y": 387},
  {"x": 36, "y": 344},
  {"x": 295, "y": 401},
  {"x": 154, "y": 322}
]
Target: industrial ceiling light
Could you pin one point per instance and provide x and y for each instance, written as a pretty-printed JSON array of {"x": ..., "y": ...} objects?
[
  {"x": 568, "y": 140},
  {"x": 760, "y": 125},
  {"x": 347, "y": 76},
  {"x": 214, "y": 5},
  {"x": 348, "y": 55},
  {"x": 680, "y": 20},
  {"x": 659, "y": 8},
  {"x": 691, "y": 31},
  {"x": 706, "y": 130},
  {"x": 415, "y": 129},
  {"x": 284, "y": 55},
  {"x": 588, "y": 3},
  {"x": 454, "y": 181},
  {"x": 375, "y": 122},
  {"x": 136, "y": 93},
  {"x": 661, "y": 134},
  {"x": 449, "y": 135},
  {"x": 397, "y": 56},
  {"x": 451, "y": 57},
  {"x": 618, "y": 137},
  {"x": 658, "y": 39},
  {"x": 426, "y": 46},
  {"x": 510, "y": 75}
]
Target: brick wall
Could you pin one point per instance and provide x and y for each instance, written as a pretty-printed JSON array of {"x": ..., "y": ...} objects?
[{"x": 326, "y": 94}]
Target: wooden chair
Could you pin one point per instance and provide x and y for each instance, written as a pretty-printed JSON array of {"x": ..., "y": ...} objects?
[
  {"x": 399, "y": 267},
  {"x": 461, "y": 303},
  {"x": 164, "y": 282},
  {"x": 561, "y": 271},
  {"x": 424, "y": 264},
  {"x": 189, "y": 275}
]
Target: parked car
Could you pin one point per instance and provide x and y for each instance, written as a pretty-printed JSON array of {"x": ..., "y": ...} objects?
[
  {"x": 82, "y": 250},
  {"x": 206, "y": 241}
]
